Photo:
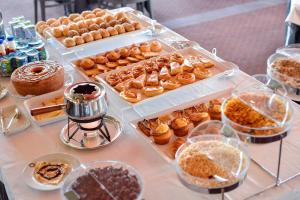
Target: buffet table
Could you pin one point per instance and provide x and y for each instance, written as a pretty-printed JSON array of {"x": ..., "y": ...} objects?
[{"x": 160, "y": 179}]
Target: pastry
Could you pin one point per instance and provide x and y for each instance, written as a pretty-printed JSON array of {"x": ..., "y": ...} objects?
[
  {"x": 120, "y": 28},
  {"x": 124, "y": 52},
  {"x": 82, "y": 24},
  {"x": 199, "y": 117},
  {"x": 145, "y": 47},
  {"x": 94, "y": 27},
  {"x": 122, "y": 62},
  {"x": 69, "y": 42},
  {"x": 101, "y": 60},
  {"x": 108, "y": 18},
  {"x": 111, "y": 65},
  {"x": 187, "y": 66},
  {"x": 103, "y": 25},
  {"x": 64, "y": 20},
  {"x": 201, "y": 73},
  {"x": 175, "y": 68},
  {"x": 113, "y": 56},
  {"x": 87, "y": 63},
  {"x": 186, "y": 78},
  {"x": 128, "y": 27},
  {"x": 65, "y": 31},
  {"x": 148, "y": 55},
  {"x": 124, "y": 20},
  {"x": 112, "y": 23},
  {"x": 131, "y": 95},
  {"x": 113, "y": 79},
  {"x": 86, "y": 12},
  {"x": 90, "y": 16},
  {"x": 72, "y": 33},
  {"x": 124, "y": 85},
  {"x": 99, "y": 20},
  {"x": 164, "y": 73},
  {"x": 91, "y": 72},
  {"x": 170, "y": 84},
  {"x": 152, "y": 79},
  {"x": 180, "y": 126},
  {"x": 143, "y": 126},
  {"x": 89, "y": 22},
  {"x": 177, "y": 57},
  {"x": 73, "y": 26},
  {"x": 125, "y": 74},
  {"x": 112, "y": 31},
  {"x": 83, "y": 30},
  {"x": 78, "y": 19},
  {"x": 87, "y": 37},
  {"x": 155, "y": 46},
  {"x": 97, "y": 10},
  {"x": 138, "y": 82},
  {"x": 102, "y": 68},
  {"x": 175, "y": 146},
  {"x": 57, "y": 32},
  {"x": 50, "y": 21},
  {"x": 104, "y": 33},
  {"x": 140, "y": 57},
  {"x": 96, "y": 35},
  {"x": 132, "y": 59},
  {"x": 134, "y": 51},
  {"x": 215, "y": 111},
  {"x": 50, "y": 173},
  {"x": 73, "y": 16},
  {"x": 120, "y": 15},
  {"x": 137, "y": 25},
  {"x": 79, "y": 40},
  {"x": 138, "y": 70},
  {"x": 39, "y": 24},
  {"x": 100, "y": 13},
  {"x": 151, "y": 91},
  {"x": 38, "y": 78},
  {"x": 162, "y": 134},
  {"x": 43, "y": 28}
]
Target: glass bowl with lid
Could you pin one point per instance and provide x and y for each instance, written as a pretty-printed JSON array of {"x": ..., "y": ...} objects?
[
  {"x": 212, "y": 164},
  {"x": 103, "y": 180},
  {"x": 258, "y": 110}
]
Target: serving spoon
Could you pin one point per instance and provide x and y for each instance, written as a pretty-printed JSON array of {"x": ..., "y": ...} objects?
[{"x": 15, "y": 116}]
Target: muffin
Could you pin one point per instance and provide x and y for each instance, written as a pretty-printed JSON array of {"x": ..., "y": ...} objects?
[
  {"x": 180, "y": 126},
  {"x": 162, "y": 134}
]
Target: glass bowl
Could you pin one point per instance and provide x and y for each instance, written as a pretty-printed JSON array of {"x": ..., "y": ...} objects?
[
  {"x": 67, "y": 192},
  {"x": 212, "y": 164}
]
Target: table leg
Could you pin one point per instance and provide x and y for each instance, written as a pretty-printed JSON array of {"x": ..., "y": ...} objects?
[
  {"x": 43, "y": 9},
  {"x": 35, "y": 4}
]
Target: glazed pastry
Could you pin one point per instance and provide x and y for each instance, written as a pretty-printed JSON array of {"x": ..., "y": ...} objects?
[
  {"x": 201, "y": 73},
  {"x": 112, "y": 31},
  {"x": 152, "y": 79},
  {"x": 125, "y": 74},
  {"x": 124, "y": 52},
  {"x": 143, "y": 126},
  {"x": 57, "y": 32},
  {"x": 79, "y": 40},
  {"x": 104, "y": 33},
  {"x": 94, "y": 27},
  {"x": 180, "y": 126},
  {"x": 186, "y": 78},
  {"x": 138, "y": 70},
  {"x": 128, "y": 27},
  {"x": 87, "y": 37},
  {"x": 90, "y": 16},
  {"x": 164, "y": 73},
  {"x": 175, "y": 68},
  {"x": 215, "y": 112},
  {"x": 155, "y": 46},
  {"x": 73, "y": 16},
  {"x": 137, "y": 25},
  {"x": 82, "y": 24},
  {"x": 72, "y": 33},
  {"x": 199, "y": 117},
  {"x": 120, "y": 15},
  {"x": 120, "y": 28},
  {"x": 83, "y": 30},
  {"x": 96, "y": 35},
  {"x": 65, "y": 31},
  {"x": 69, "y": 42},
  {"x": 101, "y": 60},
  {"x": 187, "y": 66},
  {"x": 148, "y": 55},
  {"x": 73, "y": 26},
  {"x": 170, "y": 84},
  {"x": 55, "y": 24},
  {"x": 134, "y": 51},
  {"x": 151, "y": 91},
  {"x": 175, "y": 146},
  {"x": 111, "y": 65},
  {"x": 113, "y": 56},
  {"x": 162, "y": 134},
  {"x": 122, "y": 62},
  {"x": 86, "y": 12},
  {"x": 99, "y": 20},
  {"x": 50, "y": 21},
  {"x": 108, "y": 18},
  {"x": 131, "y": 96},
  {"x": 87, "y": 63},
  {"x": 140, "y": 57},
  {"x": 145, "y": 47},
  {"x": 139, "y": 82}
]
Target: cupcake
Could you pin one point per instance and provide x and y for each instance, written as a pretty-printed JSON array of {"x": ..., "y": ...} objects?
[
  {"x": 180, "y": 126},
  {"x": 162, "y": 134}
]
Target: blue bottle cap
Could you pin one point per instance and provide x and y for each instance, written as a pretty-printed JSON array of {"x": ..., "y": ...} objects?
[
  {"x": 2, "y": 37},
  {"x": 1, "y": 41},
  {"x": 10, "y": 38}
]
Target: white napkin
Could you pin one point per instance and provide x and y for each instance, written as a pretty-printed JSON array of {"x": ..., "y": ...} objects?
[{"x": 294, "y": 14}]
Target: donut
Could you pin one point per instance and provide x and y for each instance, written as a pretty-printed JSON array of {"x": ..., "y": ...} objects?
[
  {"x": 104, "y": 33},
  {"x": 87, "y": 63},
  {"x": 69, "y": 42},
  {"x": 87, "y": 37},
  {"x": 186, "y": 78},
  {"x": 151, "y": 91},
  {"x": 78, "y": 39},
  {"x": 112, "y": 31},
  {"x": 120, "y": 28},
  {"x": 96, "y": 35},
  {"x": 38, "y": 78}
]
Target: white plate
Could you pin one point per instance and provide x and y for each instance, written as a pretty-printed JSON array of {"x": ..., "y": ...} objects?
[
  {"x": 36, "y": 102},
  {"x": 27, "y": 173}
]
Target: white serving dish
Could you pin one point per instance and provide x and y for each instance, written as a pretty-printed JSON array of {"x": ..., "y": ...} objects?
[{"x": 36, "y": 102}]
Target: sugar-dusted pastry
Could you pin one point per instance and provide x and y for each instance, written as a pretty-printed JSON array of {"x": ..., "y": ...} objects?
[
  {"x": 83, "y": 30},
  {"x": 73, "y": 16},
  {"x": 104, "y": 33},
  {"x": 202, "y": 73},
  {"x": 69, "y": 42},
  {"x": 94, "y": 27},
  {"x": 164, "y": 73},
  {"x": 128, "y": 27},
  {"x": 186, "y": 78},
  {"x": 73, "y": 26},
  {"x": 79, "y": 40},
  {"x": 122, "y": 62},
  {"x": 162, "y": 134},
  {"x": 150, "y": 54},
  {"x": 82, "y": 24},
  {"x": 120, "y": 28},
  {"x": 50, "y": 21},
  {"x": 65, "y": 30},
  {"x": 57, "y": 32},
  {"x": 87, "y": 37},
  {"x": 177, "y": 57},
  {"x": 155, "y": 46},
  {"x": 152, "y": 79},
  {"x": 87, "y": 63},
  {"x": 111, "y": 65},
  {"x": 120, "y": 15},
  {"x": 180, "y": 126},
  {"x": 137, "y": 25},
  {"x": 86, "y": 12},
  {"x": 145, "y": 47},
  {"x": 174, "y": 146},
  {"x": 131, "y": 95},
  {"x": 72, "y": 33},
  {"x": 90, "y": 16},
  {"x": 108, "y": 18},
  {"x": 187, "y": 66},
  {"x": 99, "y": 20},
  {"x": 175, "y": 68},
  {"x": 101, "y": 60},
  {"x": 138, "y": 82},
  {"x": 151, "y": 91},
  {"x": 96, "y": 35},
  {"x": 170, "y": 84},
  {"x": 112, "y": 31}
]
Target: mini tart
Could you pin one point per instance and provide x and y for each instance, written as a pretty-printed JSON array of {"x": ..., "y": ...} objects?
[
  {"x": 180, "y": 126},
  {"x": 131, "y": 96},
  {"x": 162, "y": 134},
  {"x": 201, "y": 73},
  {"x": 139, "y": 82},
  {"x": 199, "y": 117},
  {"x": 186, "y": 78},
  {"x": 170, "y": 84},
  {"x": 151, "y": 91}
]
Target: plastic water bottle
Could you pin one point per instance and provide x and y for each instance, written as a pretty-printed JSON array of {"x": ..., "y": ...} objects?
[{"x": 2, "y": 31}]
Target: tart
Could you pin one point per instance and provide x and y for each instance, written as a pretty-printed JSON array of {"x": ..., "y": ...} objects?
[
  {"x": 162, "y": 134},
  {"x": 170, "y": 84},
  {"x": 164, "y": 73},
  {"x": 139, "y": 82},
  {"x": 201, "y": 73},
  {"x": 180, "y": 126},
  {"x": 152, "y": 79},
  {"x": 186, "y": 78},
  {"x": 175, "y": 68},
  {"x": 131, "y": 95},
  {"x": 151, "y": 91}
]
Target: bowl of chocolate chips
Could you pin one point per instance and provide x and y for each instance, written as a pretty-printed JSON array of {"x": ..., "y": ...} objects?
[{"x": 105, "y": 180}]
